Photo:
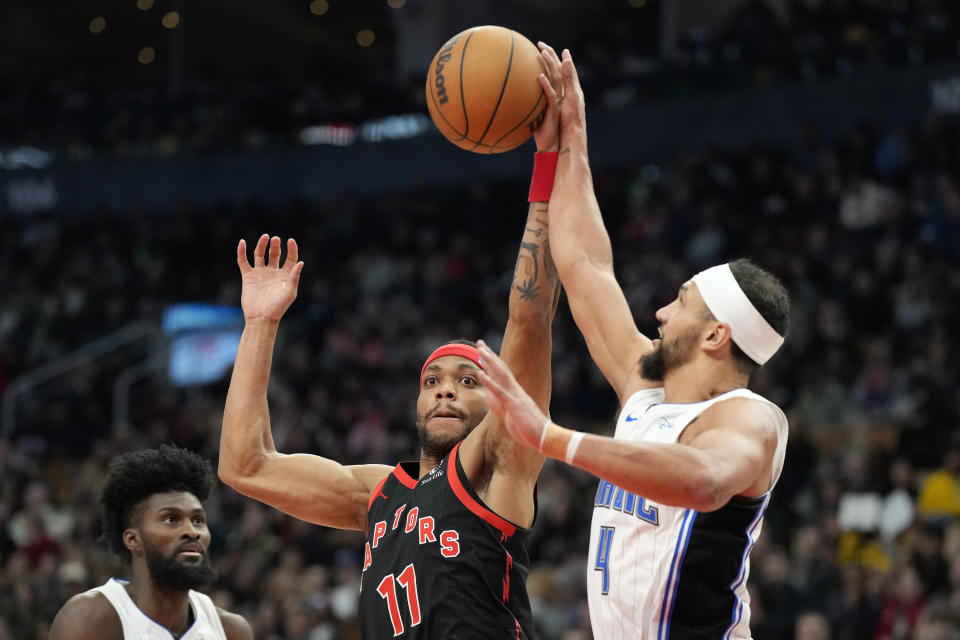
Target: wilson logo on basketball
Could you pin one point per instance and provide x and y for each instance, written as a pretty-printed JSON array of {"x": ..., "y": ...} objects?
[
  {"x": 442, "y": 58},
  {"x": 482, "y": 90}
]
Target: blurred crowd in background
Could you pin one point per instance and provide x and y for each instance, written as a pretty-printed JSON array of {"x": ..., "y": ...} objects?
[
  {"x": 861, "y": 541},
  {"x": 81, "y": 114}
]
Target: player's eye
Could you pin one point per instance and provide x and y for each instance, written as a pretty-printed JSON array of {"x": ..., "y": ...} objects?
[
  {"x": 430, "y": 381},
  {"x": 468, "y": 381}
]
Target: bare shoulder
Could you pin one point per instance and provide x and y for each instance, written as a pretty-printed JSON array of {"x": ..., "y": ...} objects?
[
  {"x": 746, "y": 415},
  {"x": 87, "y": 616},
  {"x": 234, "y": 625},
  {"x": 370, "y": 475}
]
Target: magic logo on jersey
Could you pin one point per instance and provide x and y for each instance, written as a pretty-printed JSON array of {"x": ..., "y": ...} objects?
[{"x": 610, "y": 496}]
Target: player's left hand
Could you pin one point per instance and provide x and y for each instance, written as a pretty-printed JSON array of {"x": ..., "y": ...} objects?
[
  {"x": 521, "y": 416},
  {"x": 547, "y": 135}
]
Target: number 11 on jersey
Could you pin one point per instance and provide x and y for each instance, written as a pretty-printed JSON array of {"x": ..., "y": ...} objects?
[
  {"x": 388, "y": 591},
  {"x": 603, "y": 556}
]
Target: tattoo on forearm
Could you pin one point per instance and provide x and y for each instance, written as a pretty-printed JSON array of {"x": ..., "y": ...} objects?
[{"x": 527, "y": 271}]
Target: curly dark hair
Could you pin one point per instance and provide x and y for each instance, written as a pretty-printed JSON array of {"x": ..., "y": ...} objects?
[
  {"x": 135, "y": 476},
  {"x": 768, "y": 295}
]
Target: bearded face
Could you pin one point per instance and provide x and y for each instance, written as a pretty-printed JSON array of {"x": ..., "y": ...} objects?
[
  {"x": 175, "y": 572},
  {"x": 172, "y": 527},
  {"x": 436, "y": 443},
  {"x": 668, "y": 355},
  {"x": 450, "y": 405}
]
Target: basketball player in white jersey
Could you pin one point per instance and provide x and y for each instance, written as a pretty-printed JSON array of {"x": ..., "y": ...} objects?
[
  {"x": 153, "y": 517},
  {"x": 687, "y": 476}
]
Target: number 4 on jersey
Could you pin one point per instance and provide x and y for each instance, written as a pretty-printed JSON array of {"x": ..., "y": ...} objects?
[
  {"x": 388, "y": 591},
  {"x": 603, "y": 556}
]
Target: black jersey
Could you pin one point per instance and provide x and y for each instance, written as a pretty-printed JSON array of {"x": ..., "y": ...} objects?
[{"x": 438, "y": 564}]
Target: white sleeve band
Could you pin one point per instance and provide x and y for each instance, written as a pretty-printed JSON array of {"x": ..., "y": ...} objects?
[
  {"x": 572, "y": 446},
  {"x": 543, "y": 434}
]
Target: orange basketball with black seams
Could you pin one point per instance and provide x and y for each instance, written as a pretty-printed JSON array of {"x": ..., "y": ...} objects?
[{"x": 482, "y": 89}]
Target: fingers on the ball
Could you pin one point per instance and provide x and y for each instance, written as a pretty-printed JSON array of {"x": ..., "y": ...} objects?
[
  {"x": 548, "y": 89},
  {"x": 548, "y": 50}
]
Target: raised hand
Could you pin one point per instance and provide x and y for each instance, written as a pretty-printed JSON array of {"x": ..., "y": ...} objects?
[
  {"x": 547, "y": 135},
  {"x": 523, "y": 419},
  {"x": 573, "y": 119},
  {"x": 268, "y": 289}
]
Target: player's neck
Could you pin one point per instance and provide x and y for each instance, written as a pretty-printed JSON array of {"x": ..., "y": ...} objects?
[
  {"x": 700, "y": 379},
  {"x": 426, "y": 464},
  {"x": 169, "y": 608}
]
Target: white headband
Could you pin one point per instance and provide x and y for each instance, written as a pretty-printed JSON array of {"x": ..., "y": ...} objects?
[{"x": 729, "y": 304}]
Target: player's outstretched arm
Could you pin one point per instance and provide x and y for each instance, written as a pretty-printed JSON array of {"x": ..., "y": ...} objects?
[
  {"x": 535, "y": 289},
  {"x": 730, "y": 455},
  {"x": 582, "y": 252},
  {"x": 506, "y": 471},
  {"x": 305, "y": 486}
]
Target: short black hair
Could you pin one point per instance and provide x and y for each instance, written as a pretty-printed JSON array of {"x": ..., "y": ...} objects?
[
  {"x": 767, "y": 294},
  {"x": 134, "y": 477},
  {"x": 469, "y": 343}
]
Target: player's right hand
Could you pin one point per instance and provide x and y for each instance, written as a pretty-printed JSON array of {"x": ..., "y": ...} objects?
[
  {"x": 268, "y": 289},
  {"x": 547, "y": 135},
  {"x": 573, "y": 119}
]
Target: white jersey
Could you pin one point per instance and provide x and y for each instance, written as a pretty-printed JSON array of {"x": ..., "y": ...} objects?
[
  {"x": 656, "y": 572},
  {"x": 138, "y": 626}
]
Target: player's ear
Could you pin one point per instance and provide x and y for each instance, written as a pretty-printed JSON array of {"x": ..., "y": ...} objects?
[
  {"x": 717, "y": 339},
  {"x": 131, "y": 540}
]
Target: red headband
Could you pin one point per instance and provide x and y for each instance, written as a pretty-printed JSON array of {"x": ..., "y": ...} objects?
[{"x": 455, "y": 349}]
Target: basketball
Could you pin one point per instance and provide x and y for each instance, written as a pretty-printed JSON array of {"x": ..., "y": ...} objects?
[{"x": 482, "y": 89}]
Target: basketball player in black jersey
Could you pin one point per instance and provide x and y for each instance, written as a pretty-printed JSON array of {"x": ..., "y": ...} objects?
[{"x": 444, "y": 556}]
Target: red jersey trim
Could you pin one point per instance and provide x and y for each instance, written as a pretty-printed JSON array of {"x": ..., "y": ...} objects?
[
  {"x": 404, "y": 477},
  {"x": 377, "y": 492},
  {"x": 453, "y": 473}
]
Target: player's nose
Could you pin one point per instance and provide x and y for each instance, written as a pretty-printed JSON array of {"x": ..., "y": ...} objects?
[
  {"x": 663, "y": 313},
  {"x": 445, "y": 391}
]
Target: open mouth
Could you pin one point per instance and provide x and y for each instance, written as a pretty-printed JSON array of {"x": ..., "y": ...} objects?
[{"x": 190, "y": 551}]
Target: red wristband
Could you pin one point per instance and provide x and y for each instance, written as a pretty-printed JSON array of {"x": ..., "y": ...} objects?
[{"x": 544, "y": 169}]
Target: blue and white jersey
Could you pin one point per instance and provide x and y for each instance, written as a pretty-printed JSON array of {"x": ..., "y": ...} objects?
[
  {"x": 138, "y": 626},
  {"x": 656, "y": 572}
]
